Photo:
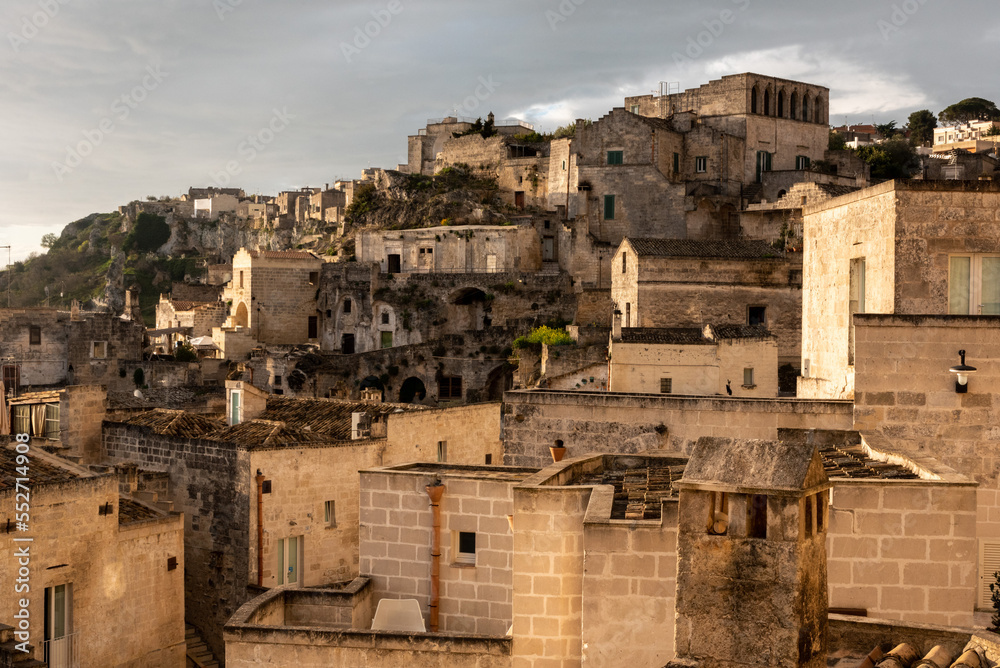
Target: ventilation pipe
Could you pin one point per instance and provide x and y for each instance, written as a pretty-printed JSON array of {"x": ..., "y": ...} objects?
[
  {"x": 260, "y": 528},
  {"x": 435, "y": 491}
]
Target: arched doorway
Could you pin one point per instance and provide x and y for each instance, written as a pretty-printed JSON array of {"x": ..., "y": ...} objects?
[
  {"x": 412, "y": 391},
  {"x": 499, "y": 381},
  {"x": 466, "y": 310},
  {"x": 242, "y": 316}
]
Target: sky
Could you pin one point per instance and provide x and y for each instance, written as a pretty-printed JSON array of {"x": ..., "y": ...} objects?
[{"x": 107, "y": 101}]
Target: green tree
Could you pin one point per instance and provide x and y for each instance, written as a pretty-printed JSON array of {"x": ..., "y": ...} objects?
[
  {"x": 886, "y": 130},
  {"x": 49, "y": 240},
  {"x": 185, "y": 353},
  {"x": 992, "y": 132},
  {"x": 970, "y": 109},
  {"x": 837, "y": 141},
  {"x": 150, "y": 232},
  {"x": 894, "y": 159},
  {"x": 921, "y": 124}
]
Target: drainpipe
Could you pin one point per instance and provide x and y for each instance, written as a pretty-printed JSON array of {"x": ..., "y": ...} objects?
[
  {"x": 435, "y": 491},
  {"x": 260, "y": 528}
]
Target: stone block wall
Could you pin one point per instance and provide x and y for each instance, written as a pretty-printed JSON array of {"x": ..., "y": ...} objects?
[
  {"x": 592, "y": 422},
  {"x": 396, "y": 538},
  {"x": 210, "y": 484},
  {"x": 471, "y": 432},
  {"x": 43, "y": 363},
  {"x": 81, "y": 411},
  {"x": 904, "y": 550}
]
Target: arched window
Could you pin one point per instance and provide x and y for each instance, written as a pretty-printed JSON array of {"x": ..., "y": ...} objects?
[
  {"x": 818, "y": 110},
  {"x": 767, "y": 101},
  {"x": 805, "y": 107},
  {"x": 753, "y": 100},
  {"x": 793, "y": 104},
  {"x": 781, "y": 104}
]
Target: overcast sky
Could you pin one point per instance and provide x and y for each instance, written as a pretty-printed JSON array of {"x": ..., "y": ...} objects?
[{"x": 108, "y": 101}]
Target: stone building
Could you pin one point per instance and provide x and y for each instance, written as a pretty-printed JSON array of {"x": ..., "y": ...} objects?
[
  {"x": 199, "y": 317},
  {"x": 272, "y": 298},
  {"x": 733, "y": 360},
  {"x": 434, "y": 146},
  {"x": 41, "y": 346},
  {"x": 105, "y": 583},
  {"x": 65, "y": 420},
  {"x": 214, "y": 206},
  {"x": 686, "y": 283}
]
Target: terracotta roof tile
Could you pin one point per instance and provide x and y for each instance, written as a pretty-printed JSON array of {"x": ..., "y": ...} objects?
[
  {"x": 732, "y": 249},
  {"x": 176, "y": 423},
  {"x": 130, "y": 510},
  {"x": 40, "y": 471},
  {"x": 686, "y": 336},
  {"x": 323, "y": 417},
  {"x": 282, "y": 255},
  {"x": 266, "y": 433}
]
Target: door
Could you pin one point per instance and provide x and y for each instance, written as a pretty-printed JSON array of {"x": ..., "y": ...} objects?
[
  {"x": 491, "y": 264},
  {"x": 548, "y": 249},
  {"x": 763, "y": 163},
  {"x": 290, "y": 560},
  {"x": 59, "y": 650},
  {"x": 394, "y": 263},
  {"x": 519, "y": 199}
]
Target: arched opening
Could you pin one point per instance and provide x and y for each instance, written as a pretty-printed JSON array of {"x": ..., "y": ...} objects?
[
  {"x": 805, "y": 107},
  {"x": 242, "y": 316},
  {"x": 466, "y": 311},
  {"x": 793, "y": 104},
  {"x": 702, "y": 221},
  {"x": 412, "y": 391},
  {"x": 818, "y": 110},
  {"x": 499, "y": 381},
  {"x": 753, "y": 100},
  {"x": 781, "y": 104},
  {"x": 782, "y": 193},
  {"x": 767, "y": 101}
]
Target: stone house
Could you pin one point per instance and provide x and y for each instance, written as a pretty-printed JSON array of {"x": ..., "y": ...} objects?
[
  {"x": 65, "y": 420},
  {"x": 685, "y": 283},
  {"x": 105, "y": 583},
  {"x": 199, "y": 317},
  {"x": 733, "y": 360},
  {"x": 41, "y": 346},
  {"x": 437, "y": 138},
  {"x": 216, "y": 205},
  {"x": 971, "y": 136},
  {"x": 272, "y": 298}
]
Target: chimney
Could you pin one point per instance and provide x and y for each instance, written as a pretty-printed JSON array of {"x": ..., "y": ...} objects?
[
  {"x": 616, "y": 326},
  {"x": 74, "y": 310}
]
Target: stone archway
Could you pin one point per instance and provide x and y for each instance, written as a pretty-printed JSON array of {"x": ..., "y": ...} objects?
[
  {"x": 412, "y": 391},
  {"x": 242, "y": 318}
]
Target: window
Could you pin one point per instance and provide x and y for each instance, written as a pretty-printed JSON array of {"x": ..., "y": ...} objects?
[
  {"x": 450, "y": 387},
  {"x": 801, "y": 162},
  {"x": 442, "y": 451},
  {"x": 22, "y": 419},
  {"x": 609, "y": 207},
  {"x": 628, "y": 314},
  {"x": 394, "y": 263},
  {"x": 241, "y": 279},
  {"x": 701, "y": 164},
  {"x": 989, "y": 563},
  {"x": 59, "y": 625},
  {"x": 313, "y": 277},
  {"x": 347, "y": 305},
  {"x": 330, "y": 514},
  {"x": 99, "y": 350},
  {"x": 34, "y": 335},
  {"x": 347, "y": 344},
  {"x": 856, "y": 301},
  {"x": 748, "y": 377},
  {"x": 564, "y": 165},
  {"x": 757, "y": 516},
  {"x": 624, "y": 262},
  {"x": 12, "y": 376},
  {"x": 677, "y": 162},
  {"x": 235, "y": 407},
  {"x": 465, "y": 548},
  {"x": 820, "y": 511},
  {"x": 753, "y": 100},
  {"x": 666, "y": 385},
  {"x": 313, "y": 327},
  {"x": 763, "y": 164},
  {"x": 807, "y": 516},
  {"x": 974, "y": 284},
  {"x": 616, "y": 157},
  {"x": 52, "y": 422},
  {"x": 289, "y": 560},
  {"x": 277, "y": 380},
  {"x": 634, "y": 109},
  {"x": 385, "y": 317},
  {"x": 489, "y": 459},
  {"x": 386, "y": 339},
  {"x": 718, "y": 513},
  {"x": 757, "y": 315}
]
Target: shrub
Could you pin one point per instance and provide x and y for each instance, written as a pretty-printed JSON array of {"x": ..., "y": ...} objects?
[
  {"x": 995, "y": 588},
  {"x": 150, "y": 232},
  {"x": 543, "y": 335},
  {"x": 185, "y": 353}
]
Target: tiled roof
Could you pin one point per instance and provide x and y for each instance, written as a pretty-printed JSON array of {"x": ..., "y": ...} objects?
[
  {"x": 130, "y": 511},
  {"x": 836, "y": 191},
  {"x": 40, "y": 471},
  {"x": 327, "y": 418},
  {"x": 731, "y": 249},
  {"x": 186, "y": 305},
  {"x": 176, "y": 423},
  {"x": 850, "y": 461},
  {"x": 282, "y": 255},
  {"x": 687, "y": 336},
  {"x": 267, "y": 433},
  {"x": 41, "y": 397},
  {"x": 741, "y": 332},
  {"x": 638, "y": 491}
]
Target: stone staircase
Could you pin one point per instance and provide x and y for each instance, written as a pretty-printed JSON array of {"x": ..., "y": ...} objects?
[
  {"x": 550, "y": 267},
  {"x": 13, "y": 657},
  {"x": 198, "y": 653}
]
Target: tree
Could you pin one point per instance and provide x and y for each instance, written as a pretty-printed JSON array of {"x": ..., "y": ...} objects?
[
  {"x": 837, "y": 141},
  {"x": 184, "y": 352},
  {"x": 49, "y": 240},
  {"x": 921, "y": 124},
  {"x": 150, "y": 232},
  {"x": 886, "y": 130},
  {"x": 992, "y": 132},
  {"x": 970, "y": 109},
  {"x": 894, "y": 159},
  {"x": 995, "y": 589}
]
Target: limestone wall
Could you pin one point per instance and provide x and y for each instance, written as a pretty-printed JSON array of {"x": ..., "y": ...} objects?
[
  {"x": 81, "y": 411},
  {"x": 590, "y": 422},
  {"x": 396, "y": 538},
  {"x": 904, "y": 550},
  {"x": 471, "y": 432}
]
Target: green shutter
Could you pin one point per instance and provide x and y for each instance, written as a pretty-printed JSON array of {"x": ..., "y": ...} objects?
[
  {"x": 609, "y": 207},
  {"x": 677, "y": 162}
]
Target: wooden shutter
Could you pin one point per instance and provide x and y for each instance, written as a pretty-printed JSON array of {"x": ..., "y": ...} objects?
[{"x": 989, "y": 563}]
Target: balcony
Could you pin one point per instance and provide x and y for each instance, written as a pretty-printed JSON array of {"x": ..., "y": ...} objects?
[{"x": 63, "y": 652}]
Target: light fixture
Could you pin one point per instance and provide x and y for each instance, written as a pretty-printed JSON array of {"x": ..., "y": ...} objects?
[{"x": 963, "y": 372}]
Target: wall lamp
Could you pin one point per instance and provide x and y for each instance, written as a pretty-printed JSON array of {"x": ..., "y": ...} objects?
[{"x": 962, "y": 371}]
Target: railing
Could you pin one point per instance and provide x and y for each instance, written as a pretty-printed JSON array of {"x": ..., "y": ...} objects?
[
  {"x": 63, "y": 652},
  {"x": 505, "y": 123}
]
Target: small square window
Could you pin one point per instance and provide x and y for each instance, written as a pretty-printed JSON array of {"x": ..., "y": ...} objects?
[
  {"x": 634, "y": 109},
  {"x": 99, "y": 350},
  {"x": 347, "y": 306},
  {"x": 465, "y": 548},
  {"x": 450, "y": 387},
  {"x": 385, "y": 318},
  {"x": 801, "y": 162},
  {"x": 748, "y": 377},
  {"x": 265, "y": 487},
  {"x": 666, "y": 385},
  {"x": 616, "y": 157},
  {"x": 277, "y": 380},
  {"x": 701, "y": 164},
  {"x": 35, "y": 335},
  {"x": 329, "y": 513},
  {"x": 313, "y": 277},
  {"x": 757, "y": 315},
  {"x": 489, "y": 459}
]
